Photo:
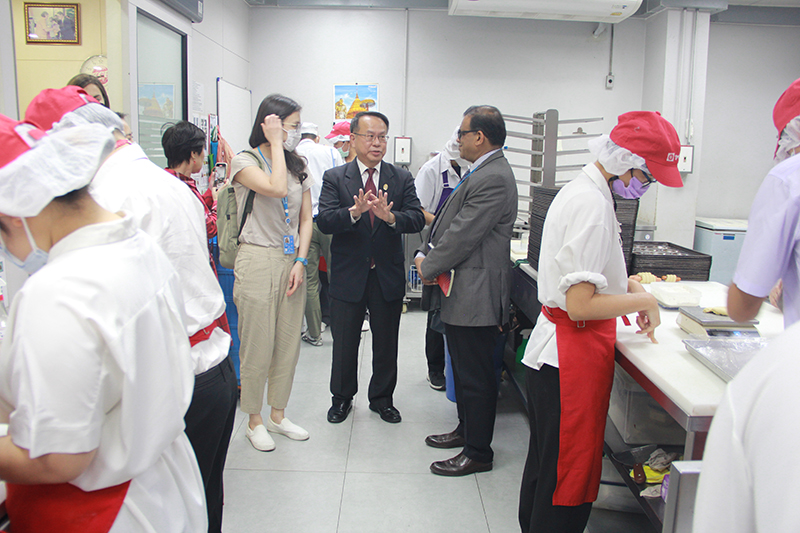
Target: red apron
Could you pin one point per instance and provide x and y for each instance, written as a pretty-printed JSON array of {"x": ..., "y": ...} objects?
[
  {"x": 63, "y": 508},
  {"x": 586, "y": 373}
]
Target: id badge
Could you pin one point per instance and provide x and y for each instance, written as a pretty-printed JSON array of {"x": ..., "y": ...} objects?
[{"x": 288, "y": 244}]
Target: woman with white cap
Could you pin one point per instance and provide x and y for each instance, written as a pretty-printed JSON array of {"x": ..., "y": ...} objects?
[
  {"x": 583, "y": 286},
  {"x": 95, "y": 411}
]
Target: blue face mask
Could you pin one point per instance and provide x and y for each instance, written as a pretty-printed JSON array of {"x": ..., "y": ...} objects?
[{"x": 35, "y": 260}]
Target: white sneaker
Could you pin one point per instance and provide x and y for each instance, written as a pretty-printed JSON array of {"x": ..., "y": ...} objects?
[
  {"x": 286, "y": 427},
  {"x": 259, "y": 438},
  {"x": 365, "y": 325},
  {"x": 322, "y": 327}
]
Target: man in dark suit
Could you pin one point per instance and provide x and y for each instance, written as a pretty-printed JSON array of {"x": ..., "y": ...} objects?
[
  {"x": 367, "y": 205},
  {"x": 471, "y": 236}
]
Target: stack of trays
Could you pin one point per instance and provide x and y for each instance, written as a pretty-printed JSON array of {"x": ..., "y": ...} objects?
[
  {"x": 627, "y": 211},
  {"x": 542, "y": 198},
  {"x": 662, "y": 258}
]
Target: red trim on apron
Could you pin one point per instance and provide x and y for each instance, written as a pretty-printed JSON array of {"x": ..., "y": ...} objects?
[
  {"x": 205, "y": 333},
  {"x": 586, "y": 373},
  {"x": 63, "y": 507}
]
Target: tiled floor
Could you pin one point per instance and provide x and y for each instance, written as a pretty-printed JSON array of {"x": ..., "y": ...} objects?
[{"x": 365, "y": 475}]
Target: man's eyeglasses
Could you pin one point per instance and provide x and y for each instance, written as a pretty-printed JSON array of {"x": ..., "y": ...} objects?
[
  {"x": 370, "y": 138},
  {"x": 295, "y": 126},
  {"x": 461, "y": 133}
]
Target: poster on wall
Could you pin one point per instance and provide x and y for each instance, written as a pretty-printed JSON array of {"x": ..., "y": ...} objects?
[
  {"x": 52, "y": 23},
  {"x": 349, "y": 100},
  {"x": 156, "y": 100}
]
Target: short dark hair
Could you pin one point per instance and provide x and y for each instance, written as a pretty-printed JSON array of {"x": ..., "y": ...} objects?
[
  {"x": 73, "y": 199},
  {"x": 354, "y": 122},
  {"x": 311, "y": 136},
  {"x": 489, "y": 120},
  {"x": 180, "y": 140},
  {"x": 283, "y": 106},
  {"x": 82, "y": 80}
]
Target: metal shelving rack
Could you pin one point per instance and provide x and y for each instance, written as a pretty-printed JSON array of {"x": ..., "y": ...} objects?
[{"x": 544, "y": 153}]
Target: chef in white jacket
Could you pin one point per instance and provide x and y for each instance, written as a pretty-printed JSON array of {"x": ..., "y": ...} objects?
[{"x": 94, "y": 404}]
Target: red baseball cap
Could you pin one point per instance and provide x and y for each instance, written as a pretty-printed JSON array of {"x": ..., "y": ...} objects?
[
  {"x": 50, "y": 105},
  {"x": 16, "y": 138},
  {"x": 651, "y": 137},
  {"x": 340, "y": 129},
  {"x": 787, "y": 107}
]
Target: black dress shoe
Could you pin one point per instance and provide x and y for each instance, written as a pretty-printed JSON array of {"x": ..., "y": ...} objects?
[
  {"x": 388, "y": 413},
  {"x": 339, "y": 411},
  {"x": 460, "y": 465},
  {"x": 446, "y": 440}
]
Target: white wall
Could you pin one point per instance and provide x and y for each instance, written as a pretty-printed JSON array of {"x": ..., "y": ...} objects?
[
  {"x": 220, "y": 48},
  {"x": 520, "y": 66},
  {"x": 748, "y": 69}
]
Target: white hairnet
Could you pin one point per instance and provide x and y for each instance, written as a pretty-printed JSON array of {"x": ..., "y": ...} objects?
[
  {"x": 59, "y": 163},
  {"x": 452, "y": 151},
  {"x": 789, "y": 140},
  {"x": 614, "y": 158},
  {"x": 90, "y": 114}
]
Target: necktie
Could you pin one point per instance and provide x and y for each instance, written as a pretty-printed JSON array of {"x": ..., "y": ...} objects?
[{"x": 371, "y": 189}]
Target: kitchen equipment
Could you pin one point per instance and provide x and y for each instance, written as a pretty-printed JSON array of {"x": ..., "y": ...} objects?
[
  {"x": 725, "y": 357},
  {"x": 722, "y": 239},
  {"x": 674, "y": 295}
]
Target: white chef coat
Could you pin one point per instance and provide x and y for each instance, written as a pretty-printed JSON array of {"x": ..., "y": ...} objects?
[
  {"x": 320, "y": 158},
  {"x": 580, "y": 242},
  {"x": 747, "y": 476},
  {"x": 167, "y": 210},
  {"x": 88, "y": 362},
  {"x": 771, "y": 249},
  {"x": 430, "y": 184}
]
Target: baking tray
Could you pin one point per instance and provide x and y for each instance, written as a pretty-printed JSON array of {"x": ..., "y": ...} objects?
[{"x": 725, "y": 357}]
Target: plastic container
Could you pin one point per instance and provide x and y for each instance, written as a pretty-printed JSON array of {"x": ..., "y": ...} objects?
[
  {"x": 638, "y": 417},
  {"x": 674, "y": 295}
]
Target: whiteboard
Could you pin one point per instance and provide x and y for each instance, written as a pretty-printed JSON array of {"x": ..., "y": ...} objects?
[{"x": 235, "y": 116}]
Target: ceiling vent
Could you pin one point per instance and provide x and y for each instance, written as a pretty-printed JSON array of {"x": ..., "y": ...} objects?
[{"x": 576, "y": 10}]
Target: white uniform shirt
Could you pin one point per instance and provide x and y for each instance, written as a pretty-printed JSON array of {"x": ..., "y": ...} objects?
[
  {"x": 430, "y": 184},
  {"x": 580, "y": 242},
  {"x": 747, "y": 477},
  {"x": 167, "y": 210},
  {"x": 89, "y": 362},
  {"x": 771, "y": 249},
  {"x": 320, "y": 158}
]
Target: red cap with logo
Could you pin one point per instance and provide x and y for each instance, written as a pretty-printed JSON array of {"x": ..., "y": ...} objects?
[
  {"x": 651, "y": 137},
  {"x": 50, "y": 105},
  {"x": 16, "y": 138},
  {"x": 787, "y": 107},
  {"x": 339, "y": 129}
]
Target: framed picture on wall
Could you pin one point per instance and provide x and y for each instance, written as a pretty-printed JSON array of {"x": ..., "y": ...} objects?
[
  {"x": 349, "y": 100},
  {"x": 52, "y": 23}
]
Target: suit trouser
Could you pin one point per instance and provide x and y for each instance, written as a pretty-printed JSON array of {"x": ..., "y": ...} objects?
[
  {"x": 536, "y": 510},
  {"x": 320, "y": 246},
  {"x": 346, "y": 320},
  {"x": 434, "y": 348},
  {"x": 209, "y": 423},
  {"x": 269, "y": 325},
  {"x": 471, "y": 353}
]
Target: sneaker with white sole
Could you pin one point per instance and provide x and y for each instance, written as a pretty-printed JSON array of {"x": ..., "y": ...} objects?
[
  {"x": 259, "y": 438},
  {"x": 365, "y": 325},
  {"x": 311, "y": 340},
  {"x": 287, "y": 428}
]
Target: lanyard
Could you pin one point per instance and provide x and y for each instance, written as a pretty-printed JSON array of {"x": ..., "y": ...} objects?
[{"x": 285, "y": 199}]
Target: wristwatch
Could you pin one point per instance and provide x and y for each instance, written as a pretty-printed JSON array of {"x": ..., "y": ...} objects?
[{"x": 302, "y": 260}]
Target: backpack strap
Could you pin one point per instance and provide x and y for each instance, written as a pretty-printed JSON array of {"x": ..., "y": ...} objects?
[{"x": 248, "y": 204}]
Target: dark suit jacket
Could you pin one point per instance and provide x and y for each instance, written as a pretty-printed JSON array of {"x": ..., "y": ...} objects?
[
  {"x": 472, "y": 235},
  {"x": 353, "y": 245}
]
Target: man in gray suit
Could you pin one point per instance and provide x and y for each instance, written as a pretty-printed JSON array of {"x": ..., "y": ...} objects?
[{"x": 471, "y": 236}]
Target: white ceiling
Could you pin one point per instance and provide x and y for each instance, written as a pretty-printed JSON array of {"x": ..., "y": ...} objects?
[{"x": 765, "y": 3}]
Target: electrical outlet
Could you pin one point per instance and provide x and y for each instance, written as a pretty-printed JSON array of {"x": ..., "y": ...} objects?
[
  {"x": 686, "y": 159},
  {"x": 610, "y": 81}
]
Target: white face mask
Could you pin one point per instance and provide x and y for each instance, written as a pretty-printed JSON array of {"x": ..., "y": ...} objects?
[
  {"x": 292, "y": 140},
  {"x": 35, "y": 260}
]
